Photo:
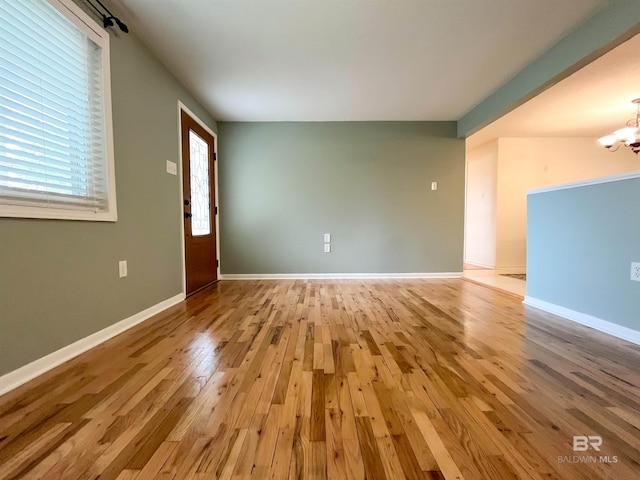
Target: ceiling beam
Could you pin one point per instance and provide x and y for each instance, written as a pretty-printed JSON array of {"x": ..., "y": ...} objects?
[{"x": 606, "y": 29}]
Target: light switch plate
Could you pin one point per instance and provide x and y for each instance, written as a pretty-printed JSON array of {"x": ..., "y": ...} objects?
[
  {"x": 172, "y": 168},
  {"x": 327, "y": 238},
  {"x": 327, "y": 248},
  {"x": 122, "y": 268},
  {"x": 434, "y": 185}
]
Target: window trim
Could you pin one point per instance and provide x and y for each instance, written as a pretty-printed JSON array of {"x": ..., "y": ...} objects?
[{"x": 100, "y": 36}]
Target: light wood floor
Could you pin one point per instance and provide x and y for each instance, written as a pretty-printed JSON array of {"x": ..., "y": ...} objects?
[{"x": 416, "y": 379}]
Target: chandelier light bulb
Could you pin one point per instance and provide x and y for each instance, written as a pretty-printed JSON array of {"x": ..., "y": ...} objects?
[
  {"x": 626, "y": 134},
  {"x": 608, "y": 141}
]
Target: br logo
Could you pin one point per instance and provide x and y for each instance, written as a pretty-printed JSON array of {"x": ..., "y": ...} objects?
[{"x": 582, "y": 443}]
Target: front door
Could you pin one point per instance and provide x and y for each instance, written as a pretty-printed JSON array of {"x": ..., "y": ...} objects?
[{"x": 198, "y": 147}]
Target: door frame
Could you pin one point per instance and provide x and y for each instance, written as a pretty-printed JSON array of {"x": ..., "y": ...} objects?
[{"x": 183, "y": 108}]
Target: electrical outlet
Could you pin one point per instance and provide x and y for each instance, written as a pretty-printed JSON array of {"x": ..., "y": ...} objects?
[
  {"x": 635, "y": 271},
  {"x": 172, "y": 168},
  {"x": 122, "y": 268},
  {"x": 434, "y": 186}
]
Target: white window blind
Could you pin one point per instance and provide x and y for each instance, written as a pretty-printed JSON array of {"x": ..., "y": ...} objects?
[{"x": 53, "y": 128}]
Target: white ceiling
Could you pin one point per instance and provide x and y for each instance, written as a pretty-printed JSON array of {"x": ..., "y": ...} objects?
[
  {"x": 592, "y": 102},
  {"x": 311, "y": 60}
]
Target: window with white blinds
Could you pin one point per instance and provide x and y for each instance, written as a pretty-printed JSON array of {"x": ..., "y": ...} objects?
[{"x": 55, "y": 133}]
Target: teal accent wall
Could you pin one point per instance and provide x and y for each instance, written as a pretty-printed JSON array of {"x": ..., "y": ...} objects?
[
  {"x": 581, "y": 242},
  {"x": 59, "y": 279},
  {"x": 283, "y": 185},
  {"x": 618, "y": 21}
]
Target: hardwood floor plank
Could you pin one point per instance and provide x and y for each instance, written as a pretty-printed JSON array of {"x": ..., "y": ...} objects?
[
  {"x": 444, "y": 459},
  {"x": 344, "y": 379},
  {"x": 370, "y": 453}
]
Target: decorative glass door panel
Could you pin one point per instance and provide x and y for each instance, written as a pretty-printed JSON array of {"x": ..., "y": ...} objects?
[{"x": 200, "y": 189}]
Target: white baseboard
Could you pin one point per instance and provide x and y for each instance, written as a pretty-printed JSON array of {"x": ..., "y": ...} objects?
[
  {"x": 480, "y": 264},
  {"x": 596, "y": 323},
  {"x": 36, "y": 368},
  {"x": 335, "y": 276}
]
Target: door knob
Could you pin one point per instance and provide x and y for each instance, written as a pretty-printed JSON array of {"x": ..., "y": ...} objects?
[
  {"x": 187, "y": 215},
  {"x": 187, "y": 202}
]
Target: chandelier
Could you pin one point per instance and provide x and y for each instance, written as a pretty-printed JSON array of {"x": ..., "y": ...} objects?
[{"x": 628, "y": 136}]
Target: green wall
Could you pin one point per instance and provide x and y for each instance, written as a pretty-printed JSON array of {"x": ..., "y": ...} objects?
[
  {"x": 580, "y": 246},
  {"x": 283, "y": 185},
  {"x": 59, "y": 279}
]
